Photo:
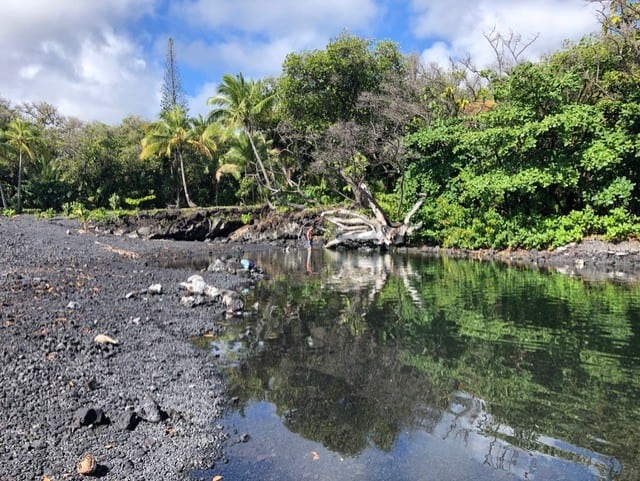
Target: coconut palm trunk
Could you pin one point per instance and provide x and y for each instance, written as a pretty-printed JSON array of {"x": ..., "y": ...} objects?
[
  {"x": 4, "y": 200},
  {"x": 20, "y": 136},
  {"x": 20, "y": 182},
  {"x": 184, "y": 181},
  {"x": 263, "y": 169},
  {"x": 238, "y": 104}
]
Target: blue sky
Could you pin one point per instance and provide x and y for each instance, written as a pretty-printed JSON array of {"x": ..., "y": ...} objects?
[{"x": 103, "y": 59}]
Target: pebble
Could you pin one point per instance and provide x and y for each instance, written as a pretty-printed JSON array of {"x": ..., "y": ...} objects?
[
  {"x": 104, "y": 339},
  {"x": 87, "y": 466},
  {"x": 89, "y": 416},
  {"x": 149, "y": 410}
]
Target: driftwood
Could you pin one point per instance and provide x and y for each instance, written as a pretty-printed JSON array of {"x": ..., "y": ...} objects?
[{"x": 356, "y": 229}]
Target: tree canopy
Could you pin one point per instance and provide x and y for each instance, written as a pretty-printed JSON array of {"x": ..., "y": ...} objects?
[{"x": 521, "y": 153}]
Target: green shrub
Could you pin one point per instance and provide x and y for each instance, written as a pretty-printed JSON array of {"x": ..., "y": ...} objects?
[
  {"x": 246, "y": 218},
  {"x": 135, "y": 203},
  {"x": 69, "y": 208},
  {"x": 45, "y": 214},
  {"x": 114, "y": 201},
  {"x": 620, "y": 225}
]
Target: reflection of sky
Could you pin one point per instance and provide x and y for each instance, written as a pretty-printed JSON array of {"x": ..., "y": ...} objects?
[{"x": 454, "y": 450}]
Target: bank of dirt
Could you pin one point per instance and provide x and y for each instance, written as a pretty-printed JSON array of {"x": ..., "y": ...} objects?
[{"x": 146, "y": 407}]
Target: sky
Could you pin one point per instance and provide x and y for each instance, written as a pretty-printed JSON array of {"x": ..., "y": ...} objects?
[{"x": 103, "y": 60}]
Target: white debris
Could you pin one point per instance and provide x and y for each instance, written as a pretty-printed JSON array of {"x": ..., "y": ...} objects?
[{"x": 104, "y": 339}]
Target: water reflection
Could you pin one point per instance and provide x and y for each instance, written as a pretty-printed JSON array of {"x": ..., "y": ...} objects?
[{"x": 416, "y": 367}]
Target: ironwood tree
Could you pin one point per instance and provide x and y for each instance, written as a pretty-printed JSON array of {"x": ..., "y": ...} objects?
[{"x": 173, "y": 93}]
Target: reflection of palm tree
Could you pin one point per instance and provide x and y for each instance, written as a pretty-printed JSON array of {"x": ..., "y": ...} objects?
[{"x": 330, "y": 369}]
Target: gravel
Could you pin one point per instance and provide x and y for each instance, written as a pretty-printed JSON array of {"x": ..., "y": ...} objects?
[{"x": 144, "y": 400}]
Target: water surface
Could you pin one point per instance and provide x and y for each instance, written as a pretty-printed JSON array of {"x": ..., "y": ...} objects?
[{"x": 395, "y": 367}]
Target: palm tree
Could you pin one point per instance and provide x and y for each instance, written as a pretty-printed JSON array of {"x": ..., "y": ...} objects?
[
  {"x": 20, "y": 136},
  {"x": 240, "y": 154},
  {"x": 204, "y": 136},
  {"x": 169, "y": 136},
  {"x": 3, "y": 158},
  {"x": 239, "y": 104}
]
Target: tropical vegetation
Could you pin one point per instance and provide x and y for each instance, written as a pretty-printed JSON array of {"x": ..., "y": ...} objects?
[{"x": 518, "y": 154}]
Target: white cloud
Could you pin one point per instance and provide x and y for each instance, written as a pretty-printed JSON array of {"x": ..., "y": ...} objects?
[
  {"x": 277, "y": 17},
  {"x": 103, "y": 59},
  {"x": 253, "y": 37},
  {"x": 438, "y": 53},
  {"x": 72, "y": 55},
  {"x": 461, "y": 24},
  {"x": 251, "y": 57},
  {"x": 198, "y": 103}
]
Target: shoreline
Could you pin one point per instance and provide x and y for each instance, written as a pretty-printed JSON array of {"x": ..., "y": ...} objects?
[{"x": 592, "y": 260}]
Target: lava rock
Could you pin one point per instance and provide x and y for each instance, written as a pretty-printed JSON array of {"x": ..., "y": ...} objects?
[
  {"x": 148, "y": 410},
  {"x": 89, "y": 416}
]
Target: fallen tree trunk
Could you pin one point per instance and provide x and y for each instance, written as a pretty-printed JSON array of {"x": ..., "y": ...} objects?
[{"x": 357, "y": 230}]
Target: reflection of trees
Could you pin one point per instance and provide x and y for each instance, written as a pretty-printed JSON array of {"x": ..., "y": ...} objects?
[
  {"x": 527, "y": 344},
  {"x": 353, "y": 356},
  {"x": 342, "y": 390}
]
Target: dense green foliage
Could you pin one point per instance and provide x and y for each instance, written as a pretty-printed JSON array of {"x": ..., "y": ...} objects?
[
  {"x": 543, "y": 167},
  {"x": 531, "y": 154}
]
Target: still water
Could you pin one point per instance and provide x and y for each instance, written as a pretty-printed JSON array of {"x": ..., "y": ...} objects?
[{"x": 361, "y": 367}]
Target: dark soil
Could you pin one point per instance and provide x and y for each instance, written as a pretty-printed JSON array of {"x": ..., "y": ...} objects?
[
  {"x": 63, "y": 395},
  {"x": 146, "y": 408}
]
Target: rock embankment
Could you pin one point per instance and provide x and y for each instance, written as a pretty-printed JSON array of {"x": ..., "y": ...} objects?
[
  {"x": 224, "y": 224},
  {"x": 99, "y": 376},
  {"x": 592, "y": 259}
]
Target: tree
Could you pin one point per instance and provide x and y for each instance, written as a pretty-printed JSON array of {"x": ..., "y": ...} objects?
[
  {"x": 168, "y": 137},
  {"x": 240, "y": 103},
  {"x": 173, "y": 94},
  {"x": 3, "y": 166},
  {"x": 43, "y": 114},
  {"x": 322, "y": 87},
  {"x": 20, "y": 136}
]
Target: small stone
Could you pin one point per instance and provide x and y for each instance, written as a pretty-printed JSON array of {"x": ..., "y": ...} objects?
[
  {"x": 149, "y": 410},
  {"x": 232, "y": 301},
  {"x": 188, "y": 301},
  {"x": 73, "y": 305},
  {"x": 155, "y": 289},
  {"x": 104, "y": 339},
  {"x": 127, "y": 421},
  {"x": 87, "y": 466},
  {"x": 195, "y": 284},
  {"x": 89, "y": 416},
  {"x": 217, "y": 266}
]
